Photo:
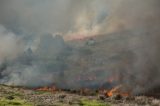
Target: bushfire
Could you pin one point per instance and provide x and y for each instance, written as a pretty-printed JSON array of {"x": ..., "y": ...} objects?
[
  {"x": 114, "y": 91},
  {"x": 49, "y": 89},
  {"x": 117, "y": 90}
]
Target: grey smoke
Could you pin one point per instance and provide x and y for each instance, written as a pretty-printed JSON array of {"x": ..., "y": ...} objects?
[
  {"x": 43, "y": 57},
  {"x": 126, "y": 46}
]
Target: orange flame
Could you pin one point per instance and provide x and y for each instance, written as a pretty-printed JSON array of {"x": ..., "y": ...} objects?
[
  {"x": 50, "y": 89},
  {"x": 116, "y": 90}
]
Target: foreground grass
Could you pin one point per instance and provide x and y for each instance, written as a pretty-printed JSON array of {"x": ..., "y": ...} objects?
[
  {"x": 14, "y": 102},
  {"x": 92, "y": 103},
  {"x": 41, "y": 92}
]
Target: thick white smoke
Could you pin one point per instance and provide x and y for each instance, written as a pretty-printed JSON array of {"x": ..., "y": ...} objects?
[
  {"x": 36, "y": 23},
  {"x": 31, "y": 54},
  {"x": 68, "y": 17},
  {"x": 11, "y": 46}
]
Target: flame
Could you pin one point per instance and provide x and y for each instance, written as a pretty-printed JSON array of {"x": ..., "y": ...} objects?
[
  {"x": 50, "y": 89},
  {"x": 116, "y": 90}
]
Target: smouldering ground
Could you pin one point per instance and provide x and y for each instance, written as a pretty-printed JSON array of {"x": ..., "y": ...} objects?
[{"x": 17, "y": 96}]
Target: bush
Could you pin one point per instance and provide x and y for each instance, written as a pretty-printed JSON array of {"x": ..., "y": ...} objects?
[
  {"x": 13, "y": 102},
  {"x": 92, "y": 103}
]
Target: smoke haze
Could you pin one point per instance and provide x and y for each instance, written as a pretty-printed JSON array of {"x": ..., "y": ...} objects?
[{"x": 37, "y": 43}]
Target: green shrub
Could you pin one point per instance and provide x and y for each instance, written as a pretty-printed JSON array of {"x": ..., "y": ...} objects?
[
  {"x": 14, "y": 102},
  {"x": 92, "y": 103}
]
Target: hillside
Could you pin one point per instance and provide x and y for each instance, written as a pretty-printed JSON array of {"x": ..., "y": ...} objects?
[{"x": 18, "y": 96}]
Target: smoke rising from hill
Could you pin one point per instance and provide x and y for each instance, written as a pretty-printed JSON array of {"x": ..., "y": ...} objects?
[{"x": 32, "y": 55}]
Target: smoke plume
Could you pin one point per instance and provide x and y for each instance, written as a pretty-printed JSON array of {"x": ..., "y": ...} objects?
[{"x": 37, "y": 45}]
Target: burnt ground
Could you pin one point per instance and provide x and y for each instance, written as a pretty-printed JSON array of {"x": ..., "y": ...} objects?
[{"x": 18, "y": 96}]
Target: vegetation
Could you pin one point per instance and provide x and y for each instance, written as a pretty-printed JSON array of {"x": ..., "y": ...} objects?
[
  {"x": 14, "y": 102},
  {"x": 41, "y": 92},
  {"x": 15, "y": 94},
  {"x": 92, "y": 103}
]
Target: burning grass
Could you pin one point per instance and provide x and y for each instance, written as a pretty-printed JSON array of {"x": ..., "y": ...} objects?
[
  {"x": 12, "y": 96},
  {"x": 117, "y": 90},
  {"x": 47, "y": 89}
]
